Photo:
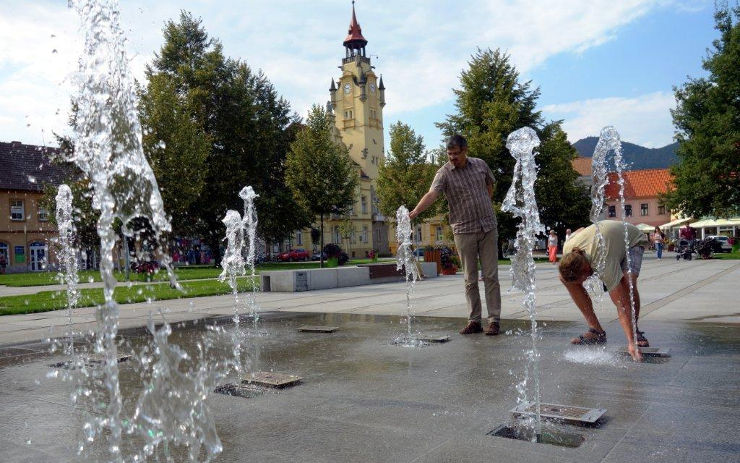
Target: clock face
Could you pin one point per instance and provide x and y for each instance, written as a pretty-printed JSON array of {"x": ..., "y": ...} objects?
[
  {"x": 372, "y": 88},
  {"x": 347, "y": 87}
]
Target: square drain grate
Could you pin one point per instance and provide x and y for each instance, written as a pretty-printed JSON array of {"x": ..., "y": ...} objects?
[
  {"x": 568, "y": 413},
  {"x": 317, "y": 329},
  {"x": 648, "y": 351},
  {"x": 270, "y": 379},
  {"x": 90, "y": 361},
  {"x": 245, "y": 391},
  {"x": 548, "y": 436}
]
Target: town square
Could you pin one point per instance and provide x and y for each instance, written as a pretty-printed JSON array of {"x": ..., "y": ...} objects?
[{"x": 345, "y": 231}]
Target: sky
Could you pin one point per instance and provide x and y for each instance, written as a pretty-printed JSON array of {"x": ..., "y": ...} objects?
[{"x": 596, "y": 62}]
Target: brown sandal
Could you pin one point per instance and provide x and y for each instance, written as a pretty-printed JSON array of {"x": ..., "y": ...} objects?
[
  {"x": 582, "y": 340},
  {"x": 641, "y": 339}
]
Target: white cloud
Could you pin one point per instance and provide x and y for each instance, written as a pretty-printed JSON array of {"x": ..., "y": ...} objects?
[
  {"x": 419, "y": 46},
  {"x": 644, "y": 120}
]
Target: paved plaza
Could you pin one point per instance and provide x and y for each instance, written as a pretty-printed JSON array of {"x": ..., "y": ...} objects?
[
  {"x": 700, "y": 291},
  {"x": 364, "y": 399}
]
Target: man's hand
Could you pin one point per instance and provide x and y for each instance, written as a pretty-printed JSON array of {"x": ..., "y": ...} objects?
[{"x": 426, "y": 201}]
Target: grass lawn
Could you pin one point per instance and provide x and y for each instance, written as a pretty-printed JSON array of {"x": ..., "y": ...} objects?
[
  {"x": 198, "y": 272},
  {"x": 727, "y": 256},
  {"x": 54, "y": 300}
]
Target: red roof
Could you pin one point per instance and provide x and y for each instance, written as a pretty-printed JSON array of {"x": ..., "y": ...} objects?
[
  {"x": 354, "y": 35},
  {"x": 582, "y": 165},
  {"x": 646, "y": 183}
]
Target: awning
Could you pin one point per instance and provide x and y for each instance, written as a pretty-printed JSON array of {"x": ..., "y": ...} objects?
[
  {"x": 676, "y": 223},
  {"x": 645, "y": 227},
  {"x": 704, "y": 223}
]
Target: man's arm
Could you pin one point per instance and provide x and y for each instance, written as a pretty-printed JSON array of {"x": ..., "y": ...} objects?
[{"x": 426, "y": 201}]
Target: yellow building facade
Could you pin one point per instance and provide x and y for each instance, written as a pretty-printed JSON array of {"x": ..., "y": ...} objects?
[{"x": 357, "y": 98}]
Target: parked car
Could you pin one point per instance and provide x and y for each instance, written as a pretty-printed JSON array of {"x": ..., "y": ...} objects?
[
  {"x": 723, "y": 243},
  {"x": 293, "y": 255},
  {"x": 317, "y": 256}
]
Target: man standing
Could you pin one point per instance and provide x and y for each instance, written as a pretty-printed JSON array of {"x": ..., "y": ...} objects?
[
  {"x": 468, "y": 186},
  {"x": 580, "y": 253}
]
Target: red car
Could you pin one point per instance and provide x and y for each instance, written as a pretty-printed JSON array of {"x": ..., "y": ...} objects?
[{"x": 294, "y": 255}]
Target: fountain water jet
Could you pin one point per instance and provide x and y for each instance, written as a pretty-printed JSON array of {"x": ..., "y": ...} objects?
[
  {"x": 521, "y": 202},
  {"x": 250, "y": 226},
  {"x": 233, "y": 266},
  {"x": 67, "y": 255},
  {"x": 108, "y": 149},
  {"x": 406, "y": 260}
]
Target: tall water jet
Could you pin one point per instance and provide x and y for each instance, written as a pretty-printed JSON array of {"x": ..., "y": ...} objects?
[
  {"x": 108, "y": 149},
  {"x": 609, "y": 141},
  {"x": 67, "y": 256},
  {"x": 233, "y": 266},
  {"x": 521, "y": 202},
  {"x": 250, "y": 226},
  {"x": 406, "y": 260}
]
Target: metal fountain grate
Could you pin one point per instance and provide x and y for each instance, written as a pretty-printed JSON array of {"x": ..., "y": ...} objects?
[
  {"x": 245, "y": 391},
  {"x": 317, "y": 329},
  {"x": 271, "y": 379},
  {"x": 561, "y": 412},
  {"x": 438, "y": 339},
  {"x": 649, "y": 351},
  {"x": 90, "y": 361},
  {"x": 548, "y": 436}
]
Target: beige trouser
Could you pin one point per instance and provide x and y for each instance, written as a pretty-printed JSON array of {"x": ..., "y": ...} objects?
[{"x": 470, "y": 246}]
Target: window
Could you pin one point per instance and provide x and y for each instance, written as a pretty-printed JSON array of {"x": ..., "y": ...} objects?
[
  {"x": 417, "y": 235},
  {"x": 661, "y": 210},
  {"x": 16, "y": 209},
  {"x": 4, "y": 255},
  {"x": 643, "y": 209},
  {"x": 439, "y": 233},
  {"x": 336, "y": 236},
  {"x": 299, "y": 238},
  {"x": 364, "y": 234},
  {"x": 612, "y": 211},
  {"x": 628, "y": 210},
  {"x": 43, "y": 214},
  {"x": 363, "y": 202},
  {"x": 20, "y": 254}
]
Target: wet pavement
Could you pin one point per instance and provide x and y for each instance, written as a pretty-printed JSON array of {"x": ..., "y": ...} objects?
[
  {"x": 701, "y": 291},
  {"x": 365, "y": 399}
]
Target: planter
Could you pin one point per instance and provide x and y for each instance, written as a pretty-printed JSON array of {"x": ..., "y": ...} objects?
[
  {"x": 434, "y": 256},
  {"x": 449, "y": 270}
]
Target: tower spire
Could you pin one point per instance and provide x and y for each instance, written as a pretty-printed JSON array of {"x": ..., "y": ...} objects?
[{"x": 354, "y": 40}]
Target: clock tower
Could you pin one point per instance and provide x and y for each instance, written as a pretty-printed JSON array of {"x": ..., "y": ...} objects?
[{"x": 357, "y": 101}]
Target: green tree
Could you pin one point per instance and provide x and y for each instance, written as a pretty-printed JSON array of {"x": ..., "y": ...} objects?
[
  {"x": 245, "y": 123},
  {"x": 319, "y": 172},
  {"x": 491, "y": 103},
  {"x": 707, "y": 120},
  {"x": 176, "y": 147},
  {"x": 405, "y": 175},
  {"x": 562, "y": 201}
]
